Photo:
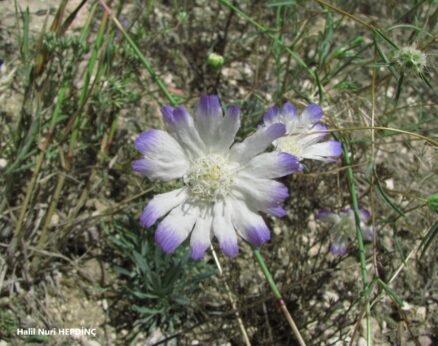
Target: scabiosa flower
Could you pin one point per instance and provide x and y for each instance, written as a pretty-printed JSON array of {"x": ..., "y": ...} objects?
[
  {"x": 344, "y": 227},
  {"x": 226, "y": 185},
  {"x": 297, "y": 141},
  {"x": 410, "y": 58}
]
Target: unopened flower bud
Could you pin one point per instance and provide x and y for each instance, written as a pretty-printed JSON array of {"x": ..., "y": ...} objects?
[{"x": 215, "y": 60}]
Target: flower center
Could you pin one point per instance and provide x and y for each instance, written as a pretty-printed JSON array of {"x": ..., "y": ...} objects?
[
  {"x": 346, "y": 225},
  {"x": 210, "y": 178},
  {"x": 290, "y": 144}
]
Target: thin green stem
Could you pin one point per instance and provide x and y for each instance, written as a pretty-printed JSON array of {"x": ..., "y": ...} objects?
[
  {"x": 277, "y": 294},
  {"x": 360, "y": 245}
]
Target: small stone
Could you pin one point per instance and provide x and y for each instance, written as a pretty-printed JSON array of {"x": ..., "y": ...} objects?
[
  {"x": 362, "y": 342},
  {"x": 424, "y": 340},
  {"x": 90, "y": 343},
  {"x": 421, "y": 313}
]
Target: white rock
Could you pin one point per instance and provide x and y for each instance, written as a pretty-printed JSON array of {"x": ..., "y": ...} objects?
[
  {"x": 3, "y": 164},
  {"x": 362, "y": 342}
]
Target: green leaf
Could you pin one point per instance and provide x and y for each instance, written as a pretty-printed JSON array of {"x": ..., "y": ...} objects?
[
  {"x": 182, "y": 300},
  {"x": 123, "y": 271},
  {"x": 432, "y": 202},
  {"x": 146, "y": 311},
  {"x": 399, "y": 87},
  {"x": 388, "y": 199},
  {"x": 380, "y": 34},
  {"x": 391, "y": 292},
  {"x": 281, "y": 3},
  {"x": 326, "y": 43},
  {"x": 427, "y": 241}
]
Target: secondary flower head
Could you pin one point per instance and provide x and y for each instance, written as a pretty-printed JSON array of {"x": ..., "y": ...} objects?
[
  {"x": 344, "y": 226},
  {"x": 225, "y": 185},
  {"x": 297, "y": 141},
  {"x": 410, "y": 58}
]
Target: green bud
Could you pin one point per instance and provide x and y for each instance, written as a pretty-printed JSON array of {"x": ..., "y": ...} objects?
[
  {"x": 215, "y": 60},
  {"x": 432, "y": 202},
  {"x": 182, "y": 17}
]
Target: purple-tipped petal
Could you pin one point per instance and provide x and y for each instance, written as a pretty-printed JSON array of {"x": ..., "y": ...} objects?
[
  {"x": 271, "y": 114},
  {"x": 180, "y": 115},
  {"x": 277, "y": 211},
  {"x": 167, "y": 112},
  {"x": 257, "y": 236},
  {"x": 324, "y": 151},
  {"x": 142, "y": 166},
  {"x": 338, "y": 249},
  {"x": 182, "y": 128},
  {"x": 227, "y": 129},
  {"x": 275, "y": 131},
  {"x": 259, "y": 194},
  {"x": 200, "y": 239},
  {"x": 209, "y": 122},
  {"x": 312, "y": 114},
  {"x": 160, "y": 169},
  {"x": 224, "y": 230},
  {"x": 335, "y": 148},
  {"x": 147, "y": 141},
  {"x": 175, "y": 227},
  {"x": 289, "y": 163},
  {"x": 280, "y": 193},
  {"x": 365, "y": 215},
  {"x": 233, "y": 112},
  {"x": 256, "y": 143},
  {"x": 198, "y": 251},
  {"x": 342, "y": 250},
  {"x": 168, "y": 238},
  {"x": 161, "y": 204},
  {"x": 249, "y": 224},
  {"x": 312, "y": 138},
  {"x": 325, "y": 215},
  {"x": 289, "y": 110},
  {"x": 229, "y": 248},
  {"x": 209, "y": 106},
  {"x": 273, "y": 165},
  {"x": 149, "y": 216},
  {"x": 164, "y": 158}
]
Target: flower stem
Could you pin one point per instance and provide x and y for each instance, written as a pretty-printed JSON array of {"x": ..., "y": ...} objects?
[
  {"x": 277, "y": 294},
  {"x": 231, "y": 299},
  {"x": 360, "y": 244}
]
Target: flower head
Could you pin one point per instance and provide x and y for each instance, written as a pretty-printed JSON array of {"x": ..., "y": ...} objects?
[
  {"x": 343, "y": 227},
  {"x": 410, "y": 58},
  {"x": 225, "y": 185},
  {"x": 297, "y": 141}
]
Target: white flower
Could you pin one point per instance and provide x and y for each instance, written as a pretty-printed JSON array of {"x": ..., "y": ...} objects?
[
  {"x": 297, "y": 141},
  {"x": 225, "y": 184}
]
